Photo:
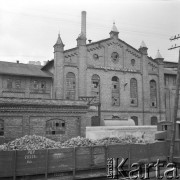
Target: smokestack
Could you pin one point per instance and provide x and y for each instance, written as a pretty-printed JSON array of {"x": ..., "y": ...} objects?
[{"x": 83, "y": 23}]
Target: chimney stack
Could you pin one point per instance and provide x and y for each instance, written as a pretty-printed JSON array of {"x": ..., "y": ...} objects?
[
  {"x": 81, "y": 40},
  {"x": 83, "y": 23}
]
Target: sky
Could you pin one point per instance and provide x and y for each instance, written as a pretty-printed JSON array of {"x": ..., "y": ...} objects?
[{"x": 29, "y": 28}]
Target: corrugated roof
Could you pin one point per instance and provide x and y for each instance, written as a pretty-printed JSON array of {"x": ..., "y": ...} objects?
[{"x": 21, "y": 69}]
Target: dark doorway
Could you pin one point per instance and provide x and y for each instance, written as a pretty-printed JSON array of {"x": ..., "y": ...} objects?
[
  {"x": 154, "y": 120},
  {"x": 135, "y": 118},
  {"x": 95, "y": 121}
]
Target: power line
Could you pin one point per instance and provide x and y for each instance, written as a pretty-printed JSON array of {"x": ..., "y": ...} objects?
[
  {"x": 172, "y": 39},
  {"x": 98, "y": 26}
]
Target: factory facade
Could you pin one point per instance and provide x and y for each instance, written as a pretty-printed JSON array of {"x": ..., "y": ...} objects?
[{"x": 47, "y": 100}]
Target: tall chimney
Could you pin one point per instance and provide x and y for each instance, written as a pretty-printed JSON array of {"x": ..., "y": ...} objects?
[{"x": 83, "y": 23}]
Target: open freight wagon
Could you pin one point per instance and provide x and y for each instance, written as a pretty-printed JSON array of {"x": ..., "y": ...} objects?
[{"x": 74, "y": 163}]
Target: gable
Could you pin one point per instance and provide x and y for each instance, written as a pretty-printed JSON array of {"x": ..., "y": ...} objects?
[
  {"x": 152, "y": 66},
  {"x": 71, "y": 57},
  {"x": 113, "y": 53}
]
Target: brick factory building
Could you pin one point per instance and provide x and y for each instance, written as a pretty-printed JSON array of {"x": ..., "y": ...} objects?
[{"x": 44, "y": 100}]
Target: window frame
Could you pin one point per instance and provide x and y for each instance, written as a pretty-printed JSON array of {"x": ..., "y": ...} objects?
[
  {"x": 115, "y": 92},
  {"x": 33, "y": 84},
  {"x": 18, "y": 82},
  {"x": 9, "y": 83},
  {"x": 70, "y": 93},
  {"x": 133, "y": 62},
  {"x": 55, "y": 127},
  {"x": 153, "y": 94},
  {"x": 132, "y": 93},
  {"x": 1, "y": 127},
  {"x": 95, "y": 87},
  {"x": 41, "y": 83},
  {"x": 153, "y": 122}
]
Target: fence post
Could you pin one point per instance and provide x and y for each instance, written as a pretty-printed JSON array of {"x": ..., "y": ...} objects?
[{"x": 14, "y": 173}]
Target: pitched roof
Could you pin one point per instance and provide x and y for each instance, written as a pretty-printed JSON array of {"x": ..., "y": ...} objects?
[
  {"x": 114, "y": 28},
  {"x": 143, "y": 44},
  {"x": 21, "y": 69},
  {"x": 158, "y": 55},
  {"x": 59, "y": 40}
]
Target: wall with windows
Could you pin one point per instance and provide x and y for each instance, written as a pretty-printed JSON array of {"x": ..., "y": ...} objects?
[
  {"x": 54, "y": 127},
  {"x": 129, "y": 88},
  {"x": 50, "y": 118},
  {"x": 60, "y": 127},
  {"x": 25, "y": 87},
  {"x": 117, "y": 90}
]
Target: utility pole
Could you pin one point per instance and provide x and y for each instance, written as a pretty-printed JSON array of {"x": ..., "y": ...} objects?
[{"x": 176, "y": 101}]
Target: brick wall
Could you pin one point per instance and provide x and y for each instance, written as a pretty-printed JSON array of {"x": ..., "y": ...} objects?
[{"x": 20, "y": 120}]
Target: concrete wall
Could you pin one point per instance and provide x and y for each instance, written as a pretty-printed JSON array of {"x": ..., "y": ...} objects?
[{"x": 148, "y": 132}]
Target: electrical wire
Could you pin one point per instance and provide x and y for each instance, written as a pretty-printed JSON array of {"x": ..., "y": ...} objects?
[{"x": 101, "y": 26}]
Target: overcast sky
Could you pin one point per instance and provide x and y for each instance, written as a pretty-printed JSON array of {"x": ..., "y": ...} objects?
[{"x": 29, "y": 28}]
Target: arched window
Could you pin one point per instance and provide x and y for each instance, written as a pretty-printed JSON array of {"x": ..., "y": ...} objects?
[
  {"x": 133, "y": 92},
  {"x": 115, "y": 91},
  {"x": 153, "y": 93},
  {"x": 55, "y": 126},
  {"x": 1, "y": 127},
  {"x": 154, "y": 120},
  {"x": 135, "y": 118},
  {"x": 95, "y": 87},
  {"x": 70, "y": 86},
  {"x": 95, "y": 121}
]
